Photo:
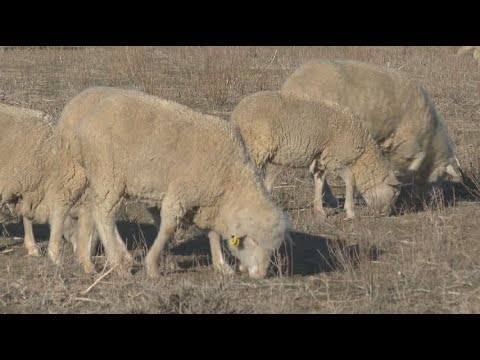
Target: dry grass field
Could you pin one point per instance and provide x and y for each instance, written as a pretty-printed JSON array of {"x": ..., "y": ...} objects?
[{"x": 423, "y": 259}]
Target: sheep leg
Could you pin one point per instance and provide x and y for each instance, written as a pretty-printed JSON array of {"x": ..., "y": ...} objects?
[
  {"x": 171, "y": 213},
  {"x": 167, "y": 228},
  {"x": 29, "y": 239},
  {"x": 155, "y": 213},
  {"x": 349, "y": 180},
  {"x": 85, "y": 234},
  {"x": 271, "y": 173},
  {"x": 319, "y": 180},
  {"x": 217, "y": 255},
  {"x": 104, "y": 213},
  {"x": 56, "y": 233}
]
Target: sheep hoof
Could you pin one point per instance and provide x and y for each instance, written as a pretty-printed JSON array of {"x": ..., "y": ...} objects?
[
  {"x": 321, "y": 213},
  {"x": 33, "y": 251},
  {"x": 224, "y": 269},
  {"x": 54, "y": 256},
  {"x": 152, "y": 272},
  {"x": 88, "y": 267},
  {"x": 349, "y": 217}
]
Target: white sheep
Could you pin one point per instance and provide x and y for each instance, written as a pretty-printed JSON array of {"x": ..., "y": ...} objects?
[
  {"x": 396, "y": 110},
  {"x": 192, "y": 166},
  {"x": 35, "y": 180},
  {"x": 287, "y": 131}
]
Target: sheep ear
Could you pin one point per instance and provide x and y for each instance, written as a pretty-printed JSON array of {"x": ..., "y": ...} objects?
[
  {"x": 251, "y": 241},
  {"x": 451, "y": 171},
  {"x": 418, "y": 159},
  {"x": 311, "y": 169}
]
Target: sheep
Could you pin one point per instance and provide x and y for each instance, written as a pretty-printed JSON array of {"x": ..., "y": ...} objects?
[
  {"x": 396, "y": 110},
  {"x": 192, "y": 166},
  {"x": 12, "y": 147},
  {"x": 80, "y": 223},
  {"x": 286, "y": 131},
  {"x": 36, "y": 181}
]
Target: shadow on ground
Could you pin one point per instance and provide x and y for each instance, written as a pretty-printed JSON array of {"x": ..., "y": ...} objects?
[
  {"x": 445, "y": 194},
  {"x": 311, "y": 254}
]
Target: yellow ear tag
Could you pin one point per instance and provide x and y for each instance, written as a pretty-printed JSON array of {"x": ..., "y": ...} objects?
[{"x": 235, "y": 241}]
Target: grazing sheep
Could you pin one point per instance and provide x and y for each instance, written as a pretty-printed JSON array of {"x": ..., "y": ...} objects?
[
  {"x": 36, "y": 181},
  {"x": 396, "y": 110},
  {"x": 286, "y": 131},
  {"x": 192, "y": 166}
]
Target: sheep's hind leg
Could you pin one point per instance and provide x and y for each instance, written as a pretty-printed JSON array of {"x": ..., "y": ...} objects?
[
  {"x": 86, "y": 236},
  {"x": 29, "y": 239},
  {"x": 104, "y": 213},
  {"x": 319, "y": 180}
]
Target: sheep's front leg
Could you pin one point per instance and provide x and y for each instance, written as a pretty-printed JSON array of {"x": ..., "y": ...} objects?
[
  {"x": 29, "y": 239},
  {"x": 217, "y": 255},
  {"x": 172, "y": 211},
  {"x": 349, "y": 180},
  {"x": 167, "y": 228}
]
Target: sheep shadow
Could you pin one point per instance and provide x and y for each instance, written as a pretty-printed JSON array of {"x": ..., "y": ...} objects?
[
  {"x": 190, "y": 253},
  {"x": 416, "y": 199},
  {"x": 444, "y": 194},
  {"x": 310, "y": 255},
  {"x": 16, "y": 230},
  {"x": 316, "y": 254}
]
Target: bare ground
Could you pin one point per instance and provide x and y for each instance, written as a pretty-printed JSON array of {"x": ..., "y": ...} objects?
[{"x": 424, "y": 259}]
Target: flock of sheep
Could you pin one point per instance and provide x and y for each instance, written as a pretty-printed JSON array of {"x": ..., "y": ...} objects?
[{"x": 373, "y": 126}]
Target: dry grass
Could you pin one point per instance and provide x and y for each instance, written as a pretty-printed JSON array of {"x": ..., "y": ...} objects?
[{"x": 425, "y": 259}]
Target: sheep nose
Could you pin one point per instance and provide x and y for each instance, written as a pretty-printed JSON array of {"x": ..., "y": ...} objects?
[{"x": 255, "y": 273}]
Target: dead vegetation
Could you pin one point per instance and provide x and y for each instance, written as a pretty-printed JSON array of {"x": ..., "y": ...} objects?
[{"x": 425, "y": 259}]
